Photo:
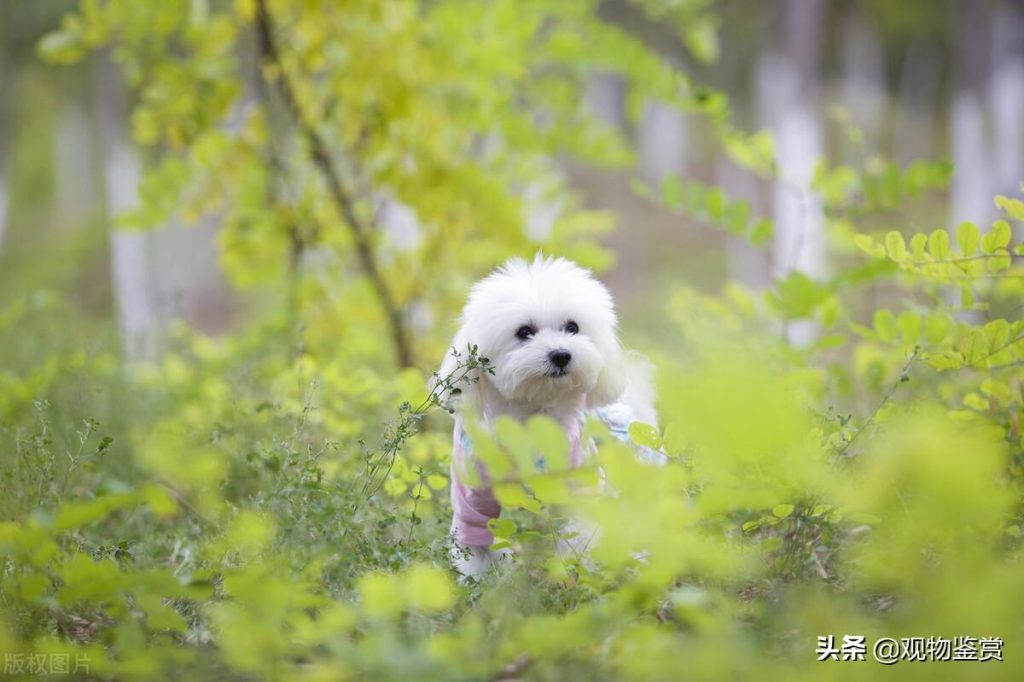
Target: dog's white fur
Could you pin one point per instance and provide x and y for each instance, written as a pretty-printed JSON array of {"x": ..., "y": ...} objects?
[{"x": 545, "y": 295}]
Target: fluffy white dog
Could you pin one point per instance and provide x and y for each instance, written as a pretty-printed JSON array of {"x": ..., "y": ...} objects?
[{"x": 548, "y": 329}]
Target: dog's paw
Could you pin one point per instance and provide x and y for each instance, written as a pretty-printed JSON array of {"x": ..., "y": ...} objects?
[{"x": 474, "y": 562}]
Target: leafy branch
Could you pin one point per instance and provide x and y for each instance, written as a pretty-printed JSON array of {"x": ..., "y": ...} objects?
[
  {"x": 378, "y": 468},
  {"x": 342, "y": 198},
  {"x": 904, "y": 377}
]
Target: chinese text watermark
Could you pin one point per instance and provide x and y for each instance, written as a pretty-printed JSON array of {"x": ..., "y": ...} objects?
[
  {"x": 45, "y": 664},
  {"x": 889, "y": 650}
]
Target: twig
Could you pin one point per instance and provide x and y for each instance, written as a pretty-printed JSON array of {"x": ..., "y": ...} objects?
[
  {"x": 415, "y": 505},
  {"x": 410, "y": 417},
  {"x": 343, "y": 201},
  {"x": 965, "y": 259},
  {"x": 904, "y": 376},
  {"x": 180, "y": 499}
]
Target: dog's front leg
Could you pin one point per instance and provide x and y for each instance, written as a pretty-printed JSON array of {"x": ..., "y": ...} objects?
[
  {"x": 472, "y": 509},
  {"x": 474, "y": 561}
]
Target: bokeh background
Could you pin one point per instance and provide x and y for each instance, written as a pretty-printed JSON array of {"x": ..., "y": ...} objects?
[
  {"x": 235, "y": 236},
  {"x": 846, "y": 80}
]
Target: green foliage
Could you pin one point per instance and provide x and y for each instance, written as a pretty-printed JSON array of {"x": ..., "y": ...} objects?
[
  {"x": 710, "y": 204},
  {"x": 256, "y": 506}
]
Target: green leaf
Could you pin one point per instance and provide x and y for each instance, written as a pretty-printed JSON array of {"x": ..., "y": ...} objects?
[
  {"x": 798, "y": 296},
  {"x": 513, "y": 436},
  {"x": 917, "y": 246},
  {"x": 864, "y": 242},
  {"x": 32, "y": 586},
  {"x": 77, "y": 514},
  {"x": 549, "y": 441},
  {"x": 967, "y": 238},
  {"x": 999, "y": 262},
  {"x": 160, "y": 616},
  {"x": 910, "y": 327},
  {"x": 159, "y": 500},
  {"x": 645, "y": 435},
  {"x": 966, "y": 295},
  {"x": 868, "y": 245},
  {"x": 938, "y": 245},
  {"x": 61, "y": 47},
  {"x": 513, "y": 496},
  {"x": 701, "y": 38},
  {"x": 944, "y": 360},
  {"x": 672, "y": 192},
  {"x": 715, "y": 203},
  {"x": 782, "y": 510},
  {"x": 936, "y": 327},
  {"x": 428, "y": 588},
  {"x": 381, "y": 595},
  {"x": 885, "y": 324},
  {"x": 997, "y": 238},
  {"x": 502, "y": 528},
  {"x": 762, "y": 231},
  {"x": 486, "y": 450},
  {"x": 895, "y": 247},
  {"x": 1013, "y": 207}
]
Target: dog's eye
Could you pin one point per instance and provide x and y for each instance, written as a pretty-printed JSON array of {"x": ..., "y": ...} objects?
[
  {"x": 571, "y": 327},
  {"x": 525, "y": 332}
]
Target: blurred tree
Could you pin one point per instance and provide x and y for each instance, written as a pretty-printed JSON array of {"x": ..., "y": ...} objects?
[
  {"x": 23, "y": 23},
  {"x": 971, "y": 188},
  {"x": 5, "y": 133},
  {"x": 790, "y": 88},
  {"x": 453, "y": 112},
  {"x": 1007, "y": 94}
]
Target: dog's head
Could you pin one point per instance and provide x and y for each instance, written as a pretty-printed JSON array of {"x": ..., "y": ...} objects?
[{"x": 548, "y": 330}]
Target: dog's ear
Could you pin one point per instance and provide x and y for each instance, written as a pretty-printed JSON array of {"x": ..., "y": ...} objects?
[
  {"x": 453, "y": 382},
  {"x": 611, "y": 382}
]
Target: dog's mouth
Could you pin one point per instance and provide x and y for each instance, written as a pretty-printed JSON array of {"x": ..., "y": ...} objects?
[{"x": 557, "y": 373}]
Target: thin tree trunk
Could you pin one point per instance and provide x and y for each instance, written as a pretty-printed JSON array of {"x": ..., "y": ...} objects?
[
  {"x": 788, "y": 86},
  {"x": 661, "y": 143},
  {"x": 6, "y": 104},
  {"x": 746, "y": 263},
  {"x": 606, "y": 96},
  {"x": 1006, "y": 97},
  {"x": 128, "y": 250},
  {"x": 972, "y": 183},
  {"x": 917, "y": 101},
  {"x": 162, "y": 274},
  {"x": 340, "y": 194},
  {"x": 863, "y": 92},
  {"x": 73, "y": 151}
]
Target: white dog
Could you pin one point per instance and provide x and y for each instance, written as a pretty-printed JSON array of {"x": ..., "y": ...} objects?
[{"x": 548, "y": 330}]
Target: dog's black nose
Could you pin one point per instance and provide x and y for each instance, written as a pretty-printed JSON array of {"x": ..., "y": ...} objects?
[{"x": 560, "y": 358}]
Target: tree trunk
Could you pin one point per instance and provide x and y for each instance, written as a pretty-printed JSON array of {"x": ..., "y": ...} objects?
[
  {"x": 917, "y": 101},
  {"x": 77, "y": 189},
  {"x": 661, "y": 143},
  {"x": 162, "y": 274},
  {"x": 746, "y": 263},
  {"x": 6, "y": 103},
  {"x": 972, "y": 183},
  {"x": 1006, "y": 98},
  {"x": 863, "y": 89},
  {"x": 788, "y": 91}
]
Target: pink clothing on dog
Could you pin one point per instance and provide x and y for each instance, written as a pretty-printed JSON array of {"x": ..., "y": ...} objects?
[{"x": 473, "y": 507}]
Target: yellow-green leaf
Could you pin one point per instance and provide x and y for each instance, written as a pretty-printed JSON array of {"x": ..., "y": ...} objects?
[{"x": 967, "y": 238}]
